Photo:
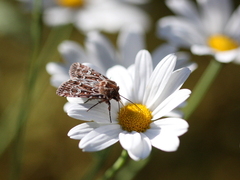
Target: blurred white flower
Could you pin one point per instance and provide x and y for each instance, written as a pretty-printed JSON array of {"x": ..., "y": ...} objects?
[
  {"x": 87, "y": 15},
  {"x": 100, "y": 52},
  {"x": 212, "y": 29},
  {"x": 139, "y": 125}
]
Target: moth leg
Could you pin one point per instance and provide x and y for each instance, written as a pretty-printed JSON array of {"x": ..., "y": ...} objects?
[
  {"x": 87, "y": 100},
  {"x": 109, "y": 110},
  {"x": 99, "y": 102}
]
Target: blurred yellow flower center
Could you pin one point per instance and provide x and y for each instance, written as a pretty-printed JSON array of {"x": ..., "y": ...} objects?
[
  {"x": 221, "y": 42},
  {"x": 70, "y": 3},
  {"x": 135, "y": 117}
]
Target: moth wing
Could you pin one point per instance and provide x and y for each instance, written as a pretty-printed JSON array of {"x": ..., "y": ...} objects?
[
  {"x": 80, "y": 71},
  {"x": 80, "y": 88}
]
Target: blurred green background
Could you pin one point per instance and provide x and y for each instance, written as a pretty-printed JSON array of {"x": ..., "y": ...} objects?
[{"x": 209, "y": 150}]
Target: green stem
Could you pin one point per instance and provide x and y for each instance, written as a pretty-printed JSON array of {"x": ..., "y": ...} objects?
[
  {"x": 130, "y": 170},
  {"x": 116, "y": 166},
  {"x": 202, "y": 87},
  {"x": 26, "y": 103},
  {"x": 8, "y": 121}
]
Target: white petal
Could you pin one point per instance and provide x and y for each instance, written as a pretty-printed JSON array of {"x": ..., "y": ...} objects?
[
  {"x": 162, "y": 51},
  {"x": 57, "y": 16},
  {"x": 99, "y": 113},
  {"x": 159, "y": 79},
  {"x": 143, "y": 70},
  {"x": 72, "y": 52},
  {"x": 176, "y": 126},
  {"x": 201, "y": 50},
  {"x": 59, "y": 73},
  {"x": 175, "y": 113},
  {"x": 184, "y": 8},
  {"x": 174, "y": 83},
  {"x": 170, "y": 103},
  {"x": 67, "y": 106},
  {"x": 137, "y": 144},
  {"x": 237, "y": 60},
  {"x": 163, "y": 141},
  {"x": 81, "y": 130},
  {"x": 100, "y": 50},
  {"x": 100, "y": 138},
  {"x": 127, "y": 139},
  {"x": 123, "y": 79},
  {"x": 164, "y": 133},
  {"x": 130, "y": 42},
  {"x": 56, "y": 68},
  {"x": 180, "y": 32},
  {"x": 57, "y": 79},
  {"x": 227, "y": 56},
  {"x": 111, "y": 16},
  {"x": 215, "y": 14},
  {"x": 233, "y": 25},
  {"x": 183, "y": 61},
  {"x": 131, "y": 70}
]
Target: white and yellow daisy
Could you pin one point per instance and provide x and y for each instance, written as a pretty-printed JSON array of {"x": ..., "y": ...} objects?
[
  {"x": 87, "y": 15},
  {"x": 141, "y": 124},
  {"x": 211, "y": 28}
]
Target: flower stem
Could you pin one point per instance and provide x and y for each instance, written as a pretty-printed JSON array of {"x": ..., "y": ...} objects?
[
  {"x": 202, "y": 87},
  {"x": 8, "y": 121},
  {"x": 130, "y": 170},
  {"x": 27, "y": 94},
  {"x": 116, "y": 166}
]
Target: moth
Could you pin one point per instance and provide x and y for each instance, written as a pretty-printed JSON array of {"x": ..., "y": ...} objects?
[{"x": 85, "y": 82}]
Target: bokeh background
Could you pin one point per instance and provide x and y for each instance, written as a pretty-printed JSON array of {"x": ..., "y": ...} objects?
[{"x": 209, "y": 150}]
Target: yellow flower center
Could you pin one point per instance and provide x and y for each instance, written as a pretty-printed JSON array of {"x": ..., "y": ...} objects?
[
  {"x": 221, "y": 42},
  {"x": 70, "y": 3},
  {"x": 135, "y": 117}
]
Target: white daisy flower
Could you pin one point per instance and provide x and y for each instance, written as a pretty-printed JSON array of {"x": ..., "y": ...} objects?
[
  {"x": 101, "y": 52},
  {"x": 212, "y": 29},
  {"x": 141, "y": 124},
  {"x": 87, "y": 15}
]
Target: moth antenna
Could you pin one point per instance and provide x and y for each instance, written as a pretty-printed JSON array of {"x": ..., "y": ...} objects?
[
  {"x": 119, "y": 102},
  {"x": 131, "y": 102}
]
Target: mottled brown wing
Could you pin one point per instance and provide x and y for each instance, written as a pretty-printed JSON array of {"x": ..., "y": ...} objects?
[
  {"x": 81, "y": 71},
  {"x": 84, "y": 82},
  {"x": 79, "y": 88}
]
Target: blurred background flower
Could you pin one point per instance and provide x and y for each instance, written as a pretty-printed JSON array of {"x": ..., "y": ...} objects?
[
  {"x": 211, "y": 28},
  {"x": 100, "y": 52},
  {"x": 87, "y": 15}
]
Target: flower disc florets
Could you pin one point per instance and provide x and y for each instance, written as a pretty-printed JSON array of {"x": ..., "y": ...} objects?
[{"x": 135, "y": 117}]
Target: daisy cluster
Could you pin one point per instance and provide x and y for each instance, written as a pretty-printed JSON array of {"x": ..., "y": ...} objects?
[{"x": 149, "y": 83}]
